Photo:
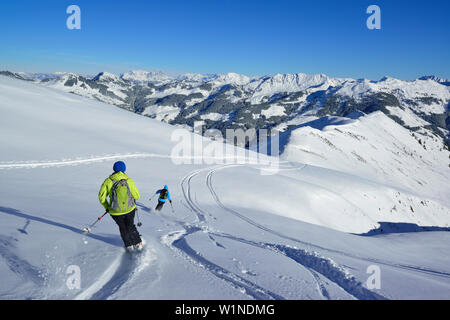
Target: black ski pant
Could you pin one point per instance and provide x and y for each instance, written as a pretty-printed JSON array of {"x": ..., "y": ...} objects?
[
  {"x": 159, "y": 205},
  {"x": 127, "y": 228}
]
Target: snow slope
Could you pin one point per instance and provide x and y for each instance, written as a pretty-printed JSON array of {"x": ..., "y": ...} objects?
[
  {"x": 377, "y": 148},
  {"x": 234, "y": 233}
]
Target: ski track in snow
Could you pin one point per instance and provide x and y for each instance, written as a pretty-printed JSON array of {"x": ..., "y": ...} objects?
[
  {"x": 332, "y": 271},
  {"x": 178, "y": 240},
  {"x": 186, "y": 188},
  {"x": 320, "y": 285},
  {"x": 313, "y": 263},
  {"x": 73, "y": 162},
  {"x": 311, "y": 245},
  {"x": 317, "y": 264},
  {"x": 104, "y": 282},
  {"x": 93, "y": 159},
  {"x": 122, "y": 270},
  {"x": 251, "y": 289}
]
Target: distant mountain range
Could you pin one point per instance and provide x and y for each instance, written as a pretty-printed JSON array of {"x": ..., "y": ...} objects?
[{"x": 281, "y": 102}]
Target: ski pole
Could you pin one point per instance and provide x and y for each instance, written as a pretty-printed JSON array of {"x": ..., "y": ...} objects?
[
  {"x": 139, "y": 220},
  {"x": 173, "y": 211},
  {"x": 88, "y": 229}
]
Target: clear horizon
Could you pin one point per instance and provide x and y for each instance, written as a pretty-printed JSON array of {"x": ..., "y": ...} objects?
[
  {"x": 253, "y": 38},
  {"x": 174, "y": 75}
]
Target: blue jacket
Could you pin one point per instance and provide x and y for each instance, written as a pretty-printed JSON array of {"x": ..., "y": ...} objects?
[{"x": 168, "y": 194}]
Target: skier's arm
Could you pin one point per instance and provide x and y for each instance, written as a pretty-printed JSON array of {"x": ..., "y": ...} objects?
[
  {"x": 168, "y": 196},
  {"x": 134, "y": 190},
  {"x": 103, "y": 193}
]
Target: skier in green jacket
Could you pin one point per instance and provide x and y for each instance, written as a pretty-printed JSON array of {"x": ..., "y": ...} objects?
[{"x": 122, "y": 193}]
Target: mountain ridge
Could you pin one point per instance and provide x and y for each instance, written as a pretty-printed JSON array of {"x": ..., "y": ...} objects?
[{"x": 279, "y": 102}]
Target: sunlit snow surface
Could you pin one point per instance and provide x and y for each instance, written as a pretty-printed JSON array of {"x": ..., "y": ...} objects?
[{"x": 234, "y": 233}]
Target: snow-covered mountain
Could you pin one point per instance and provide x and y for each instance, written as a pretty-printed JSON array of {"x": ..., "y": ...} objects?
[
  {"x": 141, "y": 76},
  {"x": 437, "y": 79},
  {"x": 234, "y": 233},
  {"x": 280, "y": 102}
]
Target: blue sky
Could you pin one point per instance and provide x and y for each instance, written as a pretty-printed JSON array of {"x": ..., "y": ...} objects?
[{"x": 252, "y": 37}]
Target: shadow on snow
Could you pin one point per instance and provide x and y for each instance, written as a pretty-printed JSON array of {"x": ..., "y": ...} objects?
[
  {"x": 400, "y": 227},
  {"x": 112, "y": 240}
]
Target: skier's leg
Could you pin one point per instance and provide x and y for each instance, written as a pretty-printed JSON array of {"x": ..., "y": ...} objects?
[
  {"x": 133, "y": 233},
  {"x": 159, "y": 206},
  {"x": 120, "y": 220}
]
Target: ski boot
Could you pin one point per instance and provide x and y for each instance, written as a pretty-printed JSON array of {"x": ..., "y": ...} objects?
[{"x": 139, "y": 246}]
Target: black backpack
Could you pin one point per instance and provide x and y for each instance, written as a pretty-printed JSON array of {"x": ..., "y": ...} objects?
[{"x": 163, "y": 194}]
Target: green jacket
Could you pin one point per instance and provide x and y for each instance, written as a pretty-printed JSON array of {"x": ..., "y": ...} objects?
[{"x": 106, "y": 190}]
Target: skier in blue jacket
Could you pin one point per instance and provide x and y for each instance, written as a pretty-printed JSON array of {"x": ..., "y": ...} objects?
[{"x": 164, "y": 195}]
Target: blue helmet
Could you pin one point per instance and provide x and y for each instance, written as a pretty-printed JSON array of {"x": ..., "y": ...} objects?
[{"x": 119, "y": 166}]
